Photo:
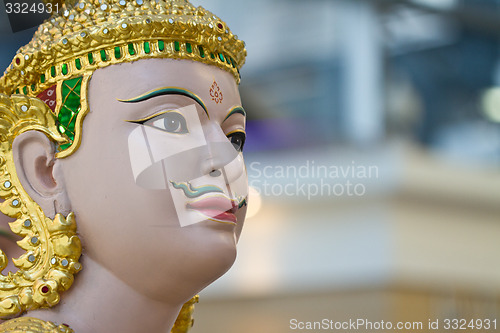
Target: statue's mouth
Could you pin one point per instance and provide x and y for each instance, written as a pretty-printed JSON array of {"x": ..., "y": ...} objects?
[{"x": 217, "y": 208}]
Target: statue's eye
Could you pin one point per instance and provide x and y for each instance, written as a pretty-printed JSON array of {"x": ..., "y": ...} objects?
[
  {"x": 172, "y": 122},
  {"x": 237, "y": 140}
]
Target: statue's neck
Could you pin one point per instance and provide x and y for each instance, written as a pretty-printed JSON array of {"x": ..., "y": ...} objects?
[{"x": 99, "y": 302}]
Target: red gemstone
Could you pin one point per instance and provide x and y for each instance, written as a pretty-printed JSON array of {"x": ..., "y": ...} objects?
[
  {"x": 220, "y": 26},
  {"x": 18, "y": 61},
  {"x": 45, "y": 289}
]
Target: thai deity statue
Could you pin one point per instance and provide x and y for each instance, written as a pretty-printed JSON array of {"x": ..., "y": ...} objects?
[{"x": 121, "y": 167}]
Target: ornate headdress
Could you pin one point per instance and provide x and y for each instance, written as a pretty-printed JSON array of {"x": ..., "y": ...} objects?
[
  {"x": 56, "y": 64},
  {"x": 52, "y": 72}
]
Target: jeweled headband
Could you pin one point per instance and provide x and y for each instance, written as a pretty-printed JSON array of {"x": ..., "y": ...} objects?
[{"x": 57, "y": 64}]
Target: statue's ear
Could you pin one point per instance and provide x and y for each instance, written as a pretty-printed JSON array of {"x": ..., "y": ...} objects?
[{"x": 40, "y": 172}]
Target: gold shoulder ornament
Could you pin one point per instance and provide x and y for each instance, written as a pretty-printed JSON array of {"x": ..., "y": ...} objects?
[{"x": 33, "y": 325}]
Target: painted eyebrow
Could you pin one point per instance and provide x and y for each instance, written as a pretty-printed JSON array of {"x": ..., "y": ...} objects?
[
  {"x": 166, "y": 91},
  {"x": 236, "y": 110}
]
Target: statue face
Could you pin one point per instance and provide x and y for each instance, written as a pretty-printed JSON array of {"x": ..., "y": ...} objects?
[{"x": 158, "y": 184}]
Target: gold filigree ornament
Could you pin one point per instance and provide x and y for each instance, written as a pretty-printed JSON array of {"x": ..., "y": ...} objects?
[
  {"x": 52, "y": 246},
  {"x": 33, "y": 325}
]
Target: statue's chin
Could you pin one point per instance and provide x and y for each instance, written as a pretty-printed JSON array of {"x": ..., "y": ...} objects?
[
  {"x": 206, "y": 253},
  {"x": 210, "y": 258}
]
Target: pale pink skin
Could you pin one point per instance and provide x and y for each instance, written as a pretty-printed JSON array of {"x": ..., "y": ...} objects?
[{"x": 139, "y": 265}]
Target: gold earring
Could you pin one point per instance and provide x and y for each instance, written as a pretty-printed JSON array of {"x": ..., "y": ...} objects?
[{"x": 52, "y": 246}]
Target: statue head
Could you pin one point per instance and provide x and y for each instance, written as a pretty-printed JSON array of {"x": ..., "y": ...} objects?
[{"x": 122, "y": 130}]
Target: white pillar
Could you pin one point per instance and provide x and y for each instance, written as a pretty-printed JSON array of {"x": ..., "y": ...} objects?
[{"x": 362, "y": 57}]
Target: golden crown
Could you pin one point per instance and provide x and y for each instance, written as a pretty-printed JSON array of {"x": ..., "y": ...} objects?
[{"x": 97, "y": 33}]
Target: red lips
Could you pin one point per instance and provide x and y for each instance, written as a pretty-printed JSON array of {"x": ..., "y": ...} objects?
[{"x": 217, "y": 208}]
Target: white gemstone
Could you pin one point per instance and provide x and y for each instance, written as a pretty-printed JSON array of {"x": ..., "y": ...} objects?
[
  {"x": 87, "y": 11},
  {"x": 81, "y": 5},
  {"x": 27, "y": 223},
  {"x": 77, "y": 266},
  {"x": 34, "y": 240},
  {"x": 139, "y": 2},
  {"x": 53, "y": 261},
  {"x": 7, "y": 184},
  {"x": 219, "y": 38},
  {"x": 24, "y": 108},
  {"x": 105, "y": 30},
  {"x": 15, "y": 202},
  {"x": 104, "y": 7},
  {"x": 65, "y": 41},
  {"x": 31, "y": 258},
  {"x": 71, "y": 17},
  {"x": 83, "y": 34},
  {"x": 122, "y": 3},
  {"x": 26, "y": 57},
  {"x": 124, "y": 25},
  {"x": 64, "y": 262},
  {"x": 170, "y": 20},
  {"x": 22, "y": 72},
  {"x": 210, "y": 25},
  {"x": 66, "y": 13}
]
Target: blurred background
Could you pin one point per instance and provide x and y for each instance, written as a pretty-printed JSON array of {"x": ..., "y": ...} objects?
[{"x": 373, "y": 155}]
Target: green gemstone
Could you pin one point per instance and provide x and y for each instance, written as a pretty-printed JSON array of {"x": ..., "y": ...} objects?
[
  {"x": 131, "y": 50},
  {"x": 103, "y": 55},
  {"x": 71, "y": 126},
  {"x": 189, "y": 49},
  {"x": 221, "y": 57},
  {"x": 33, "y": 87},
  {"x": 17, "y": 91},
  {"x": 91, "y": 58},
  {"x": 70, "y": 91},
  {"x": 161, "y": 45},
  {"x": 65, "y": 69},
  {"x": 227, "y": 60},
  {"x": 202, "y": 53},
  {"x": 64, "y": 116},
  {"x": 212, "y": 55},
  {"x": 53, "y": 71},
  {"x": 147, "y": 47},
  {"x": 118, "y": 53},
  {"x": 177, "y": 47},
  {"x": 25, "y": 90},
  {"x": 42, "y": 78},
  {"x": 78, "y": 63}
]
